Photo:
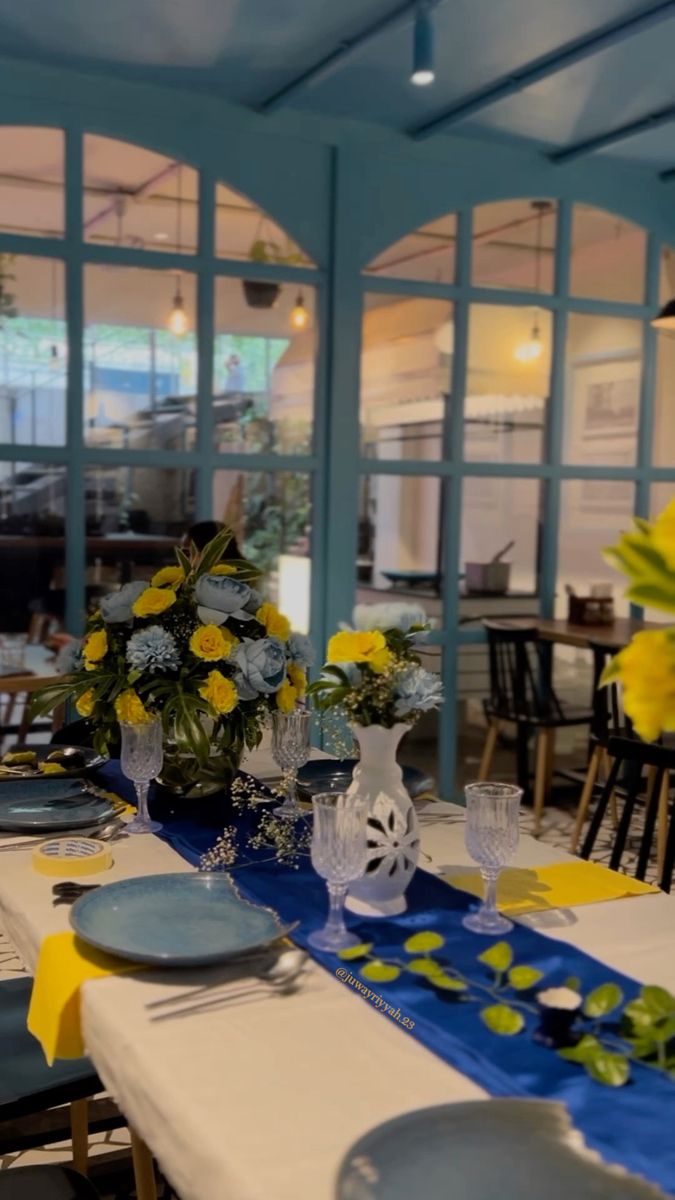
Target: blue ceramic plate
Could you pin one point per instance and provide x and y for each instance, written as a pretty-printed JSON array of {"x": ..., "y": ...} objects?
[
  {"x": 510, "y": 1149},
  {"x": 50, "y": 806},
  {"x": 174, "y": 920},
  {"x": 335, "y": 775}
]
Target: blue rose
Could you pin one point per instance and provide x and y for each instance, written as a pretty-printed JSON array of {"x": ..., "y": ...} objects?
[
  {"x": 254, "y": 601},
  {"x": 116, "y": 607},
  {"x": 300, "y": 650},
  {"x": 260, "y": 667},
  {"x": 220, "y": 597}
]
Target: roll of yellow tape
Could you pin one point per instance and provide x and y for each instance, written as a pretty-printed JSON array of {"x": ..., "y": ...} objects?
[{"x": 72, "y": 856}]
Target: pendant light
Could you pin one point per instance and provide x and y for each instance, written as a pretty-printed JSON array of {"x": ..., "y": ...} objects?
[
  {"x": 299, "y": 314},
  {"x": 178, "y": 321},
  {"x": 532, "y": 349},
  {"x": 53, "y": 349},
  {"x": 423, "y": 47},
  {"x": 665, "y": 318}
]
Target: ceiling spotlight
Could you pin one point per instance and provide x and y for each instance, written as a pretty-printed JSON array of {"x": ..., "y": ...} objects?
[
  {"x": 299, "y": 314},
  {"x": 665, "y": 318},
  {"x": 423, "y": 47}
]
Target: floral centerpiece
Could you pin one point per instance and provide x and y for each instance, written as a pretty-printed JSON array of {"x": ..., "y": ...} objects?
[
  {"x": 375, "y": 679},
  {"x": 199, "y": 646},
  {"x": 646, "y": 666}
]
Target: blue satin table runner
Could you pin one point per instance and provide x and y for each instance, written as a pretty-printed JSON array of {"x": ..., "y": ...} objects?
[{"x": 632, "y": 1125}]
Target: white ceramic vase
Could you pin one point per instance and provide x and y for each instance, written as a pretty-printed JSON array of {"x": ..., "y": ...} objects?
[{"x": 393, "y": 828}]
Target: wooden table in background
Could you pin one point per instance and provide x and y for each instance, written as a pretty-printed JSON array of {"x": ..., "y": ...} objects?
[{"x": 615, "y": 635}]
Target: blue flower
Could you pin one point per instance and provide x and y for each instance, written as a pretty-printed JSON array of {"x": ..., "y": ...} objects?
[
  {"x": 153, "y": 649},
  {"x": 69, "y": 657},
  {"x": 300, "y": 650},
  {"x": 220, "y": 597},
  {"x": 254, "y": 601},
  {"x": 389, "y": 615},
  {"x": 260, "y": 667},
  {"x": 116, "y": 607},
  {"x": 416, "y": 690}
]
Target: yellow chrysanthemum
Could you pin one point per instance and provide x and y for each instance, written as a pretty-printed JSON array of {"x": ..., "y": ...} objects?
[
  {"x": 646, "y": 668},
  {"x": 276, "y": 624},
  {"x": 368, "y": 647},
  {"x": 298, "y": 678},
  {"x": 171, "y": 576},
  {"x": 95, "y": 648},
  {"x": 223, "y": 569},
  {"x": 286, "y": 697},
  {"x": 51, "y": 769},
  {"x": 130, "y": 709},
  {"x": 84, "y": 705},
  {"x": 211, "y": 643},
  {"x": 663, "y": 534},
  {"x": 220, "y": 692},
  {"x": 153, "y": 601}
]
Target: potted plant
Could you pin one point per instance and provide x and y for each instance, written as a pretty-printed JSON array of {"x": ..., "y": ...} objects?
[{"x": 263, "y": 293}]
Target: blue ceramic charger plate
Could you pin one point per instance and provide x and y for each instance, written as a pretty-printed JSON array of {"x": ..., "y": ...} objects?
[
  {"x": 335, "y": 775},
  {"x": 483, "y": 1150},
  {"x": 50, "y": 806},
  {"x": 179, "y": 920}
]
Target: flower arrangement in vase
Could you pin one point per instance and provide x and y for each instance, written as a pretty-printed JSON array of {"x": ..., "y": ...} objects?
[
  {"x": 374, "y": 678},
  {"x": 199, "y": 646}
]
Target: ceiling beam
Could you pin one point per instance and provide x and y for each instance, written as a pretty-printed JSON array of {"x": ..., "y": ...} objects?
[
  {"x": 403, "y": 12},
  {"x": 548, "y": 64},
  {"x": 631, "y": 129}
]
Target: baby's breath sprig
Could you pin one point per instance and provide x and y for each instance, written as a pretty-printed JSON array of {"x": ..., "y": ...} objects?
[
  {"x": 288, "y": 839},
  {"x": 223, "y": 854}
]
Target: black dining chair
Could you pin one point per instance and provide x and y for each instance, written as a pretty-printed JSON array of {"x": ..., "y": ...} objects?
[
  {"x": 522, "y": 694},
  {"x": 52, "y": 1182},
  {"x": 632, "y": 761}
]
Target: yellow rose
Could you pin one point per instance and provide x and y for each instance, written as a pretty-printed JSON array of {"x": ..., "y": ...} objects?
[
  {"x": 211, "y": 643},
  {"x": 220, "y": 692},
  {"x": 153, "y": 601},
  {"x": 286, "y": 697},
  {"x": 276, "y": 624},
  {"x": 130, "y": 709},
  {"x": 663, "y": 534},
  {"x": 366, "y": 647},
  {"x": 223, "y": 569},
  {"x": 95, "y": 648},
  {"x": 173, "y": 576},
  {"x": 51, "y": 768},
  {"x": 646, "y": 668},
  {"x": 298, "y": 678},
  {"x": 84, "y": 705},
  {"x": 380, "y": 661}
]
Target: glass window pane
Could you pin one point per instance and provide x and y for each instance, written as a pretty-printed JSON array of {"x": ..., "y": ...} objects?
[
  {"x": 602, "y": 390},
  {"x": 34, "y": 351},
  {"x": 495, "y": 512},
  {"x": 660, "y": 496},
  {"x": 667, "y": 275},
  {"x": 509, "y": 366},
  {"x": 264, "y": 366},
  {"x": 608, "y": 256},
  {"x": 663, "y": 446},
  {"x": 31, "y": 181},
  {"x": 399, "y": 551},
  {"x": 271, "y": 515},
  {"x": 134, "y": 518},
  {"x": 32, "y": 541},
  {"x": 136, "y": 197},
  {"x": 243, "y": 231},
  {"x": 593, "y": 512},
  {"x": 406, "y": 355},
  {"x": 514, "y": 245},
  {"x": 140, "y": 379},
  {"x": 429, "y": 253}
]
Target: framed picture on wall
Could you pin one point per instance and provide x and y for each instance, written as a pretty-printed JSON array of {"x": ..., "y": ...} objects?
[{"x": 604, "y": 410}]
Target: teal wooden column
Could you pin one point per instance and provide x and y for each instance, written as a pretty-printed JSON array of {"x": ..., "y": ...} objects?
[{"x": 75, "y": 483}]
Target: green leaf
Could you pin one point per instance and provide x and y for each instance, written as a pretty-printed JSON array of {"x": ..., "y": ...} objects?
[
  {"x": 586, "y": 1049},
  {"x": 603, "y": 1000},
  {"x": 640, "y": 1014},
  {"x": 212, "y": 554},
  {"x": 664, "y": 1030},
  {"x": 424, "y": 966},
  {"x": 652, "y": 594},
  {"x": 658, "y": 1001},
  {"x": 611, "y": 1069},
  {"x": 499, "y": 956},
  {"x": 573, "y": 982},
  {"x": 421, "y": 943},
  {"x": 447, "y": 983},
  {"x": 352, "y": 952},
  {"x": 183, "y": 561},
  {"x": 503, "y": 1020},
  {"x": 380, "y": 972},
  {"x": 521, "y": 978}
]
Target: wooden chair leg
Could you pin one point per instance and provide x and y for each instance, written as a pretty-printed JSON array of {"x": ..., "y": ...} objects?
[
  {"x": 79, "y": 1134},
  {"x": 144, "y": 1170},
  {"x": 488, "y": 750},
  {"x": 594, "y": 765},
  {"x": 613, "y": 807},
  {"x": 540, "y": 776},
  {"x": 662, "y": 823}
]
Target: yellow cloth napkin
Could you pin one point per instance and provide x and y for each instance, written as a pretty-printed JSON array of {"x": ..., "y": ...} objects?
[
  {"x": 563, "y": 885},
  {"x": 64, "y": 964}
]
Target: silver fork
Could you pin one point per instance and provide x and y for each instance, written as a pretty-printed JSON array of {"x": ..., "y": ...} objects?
[{"x": 283, "y": 983}]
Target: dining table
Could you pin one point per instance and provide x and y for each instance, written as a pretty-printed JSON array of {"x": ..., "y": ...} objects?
[
  {"x": 614, "y": 635},
  {"x": 261, "y": 1100}
]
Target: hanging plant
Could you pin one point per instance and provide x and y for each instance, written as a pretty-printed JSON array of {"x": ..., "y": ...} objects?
[{"x": 8, "y": 307}]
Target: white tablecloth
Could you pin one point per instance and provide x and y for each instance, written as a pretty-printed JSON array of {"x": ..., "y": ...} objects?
[{"x": 261, "y": 1101}]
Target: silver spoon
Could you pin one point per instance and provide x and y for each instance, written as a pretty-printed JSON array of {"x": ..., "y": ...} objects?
[{"x": 279, "y": 977}]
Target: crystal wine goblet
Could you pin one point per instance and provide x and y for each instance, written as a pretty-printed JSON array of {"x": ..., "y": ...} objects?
[
  {"x": 141, "y": 760},
  {"x": 339, "y": 855},
  {"x": 290, "y": 750},
  {"x": 491, "y": 836}
]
